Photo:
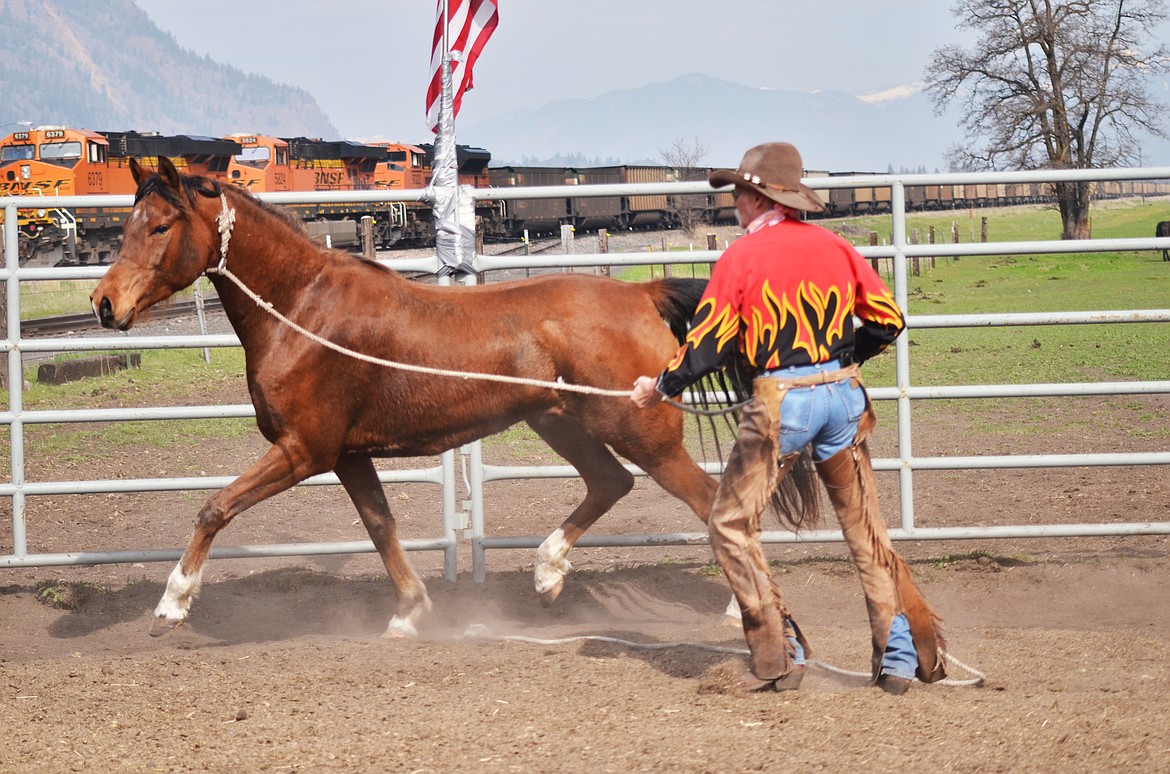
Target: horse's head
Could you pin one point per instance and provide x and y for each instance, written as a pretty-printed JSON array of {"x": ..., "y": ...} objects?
[{"x": 169, "y": 239}]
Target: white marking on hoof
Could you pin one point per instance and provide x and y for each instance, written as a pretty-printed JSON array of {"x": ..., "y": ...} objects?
[
  {"x": 551, "y": 565},
  {"x": 400, "y": 627},
  {"x": 175, "y": 604},
  {"x": 407, "y": 625}
]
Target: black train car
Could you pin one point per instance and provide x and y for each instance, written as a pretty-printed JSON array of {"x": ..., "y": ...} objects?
[
  {"x": 537, "y": 216},
  {"x": 640, "y": 211}
]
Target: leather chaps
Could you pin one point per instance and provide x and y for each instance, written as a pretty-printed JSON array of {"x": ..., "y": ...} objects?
[{"x": 754, "y": 470}]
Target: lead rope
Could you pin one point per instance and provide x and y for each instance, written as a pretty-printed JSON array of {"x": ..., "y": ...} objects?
[
  {"x": 226, "y": 220},
  {"x": 480, "y": 631}
]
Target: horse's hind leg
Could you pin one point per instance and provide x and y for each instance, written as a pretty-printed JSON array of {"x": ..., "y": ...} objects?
[
  {"x": 606, "y": 482},
  {"x": 657, "y": 449},
  {"x": 360, "y": 479},
  {"x": 280, "y": 468}
]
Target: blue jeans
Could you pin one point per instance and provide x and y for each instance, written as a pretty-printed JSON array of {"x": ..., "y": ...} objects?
[
  {"x": 825, "y": 416},
  {"x": 900, "y": 658}
]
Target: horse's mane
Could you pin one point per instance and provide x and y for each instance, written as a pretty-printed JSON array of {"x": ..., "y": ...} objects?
[
  {"x": 196, "y": 185},
  {"x": 192, "y": 185},
  {"x": 283, "y": 214}
]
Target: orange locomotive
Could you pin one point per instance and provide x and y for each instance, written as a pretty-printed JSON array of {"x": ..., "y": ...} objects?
[
  {"x": 266, "y": 163},
  {"x": 57, "y": 161}
]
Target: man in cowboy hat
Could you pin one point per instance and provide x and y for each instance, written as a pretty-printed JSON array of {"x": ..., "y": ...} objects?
[{"x": 782, "y": 300}]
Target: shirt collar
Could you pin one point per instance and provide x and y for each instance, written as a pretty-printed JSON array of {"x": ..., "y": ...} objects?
[{"x": 765, "y": 219}]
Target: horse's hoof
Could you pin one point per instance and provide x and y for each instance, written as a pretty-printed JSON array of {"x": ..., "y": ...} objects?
[
  {"x": 160, "y": 626},
  {"x": 548, "y": 596},
  {"x": 400, "y": 628}
]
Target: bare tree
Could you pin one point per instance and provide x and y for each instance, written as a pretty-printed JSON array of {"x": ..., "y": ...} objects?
[
  {"x": 684, "y": 158},
  {"x": 1052, "y": 85}
]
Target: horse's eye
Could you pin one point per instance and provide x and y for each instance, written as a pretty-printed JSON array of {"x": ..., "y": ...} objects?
[{"x": 161, "y": 229}]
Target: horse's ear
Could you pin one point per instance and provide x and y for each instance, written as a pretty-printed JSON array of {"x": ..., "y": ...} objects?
[
  {"x": 207, "y": 187},
  {"x": 168, "y": 173},
  {"x": 138, "y": 172}
]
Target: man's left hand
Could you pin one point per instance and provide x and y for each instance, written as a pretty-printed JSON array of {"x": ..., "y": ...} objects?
[{"x": 645, "y": 392}]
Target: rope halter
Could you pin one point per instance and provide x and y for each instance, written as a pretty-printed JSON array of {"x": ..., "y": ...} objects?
[{"x": 226, "y": 220}]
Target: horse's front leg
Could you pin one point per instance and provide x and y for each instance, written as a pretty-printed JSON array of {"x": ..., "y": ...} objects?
[
  {"x": 606, "y": 482},
  {"x": 279, "y": 469},
  {"x": 360, "y": 479}
]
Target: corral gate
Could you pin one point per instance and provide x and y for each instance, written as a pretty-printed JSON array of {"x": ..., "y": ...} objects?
[{"x": 476, "y": 474}]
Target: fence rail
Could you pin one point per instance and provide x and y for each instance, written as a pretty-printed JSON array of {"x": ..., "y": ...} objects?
[{"x": 474, "y": 474}]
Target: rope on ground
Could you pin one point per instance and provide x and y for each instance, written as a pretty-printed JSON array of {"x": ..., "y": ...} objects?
[
  {"x": 480, "y": 631},
  {"x": 559, "y": 384}
]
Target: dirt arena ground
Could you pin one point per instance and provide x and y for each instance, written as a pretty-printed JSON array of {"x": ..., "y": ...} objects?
[{"x": 281, "y": 667}]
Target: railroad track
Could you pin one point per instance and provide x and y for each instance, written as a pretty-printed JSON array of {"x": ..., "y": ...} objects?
[
  {"x": 67, "y": 323},
  {"x": 533, "y": 247}
]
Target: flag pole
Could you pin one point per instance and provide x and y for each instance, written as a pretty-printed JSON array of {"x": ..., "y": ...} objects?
[{"x": 454, "y": 241}]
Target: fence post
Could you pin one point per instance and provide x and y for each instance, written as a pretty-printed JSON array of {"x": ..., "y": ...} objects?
[
  {"x": 983, "y": 230},
  {"x": 712, "y": 242},
  {"x": 366, "y": 226},
  {"x": 873, "y": 243},
  {"x": 567, "y": 245},
  {"x": 603, "y": 247},
  {"x": 931, "y": 238},
  {"x": 915, "y": 262}
]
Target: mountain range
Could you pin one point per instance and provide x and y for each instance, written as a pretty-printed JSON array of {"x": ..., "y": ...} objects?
[
  {"x": 893, "y": 130},
  {"x": 833, "y": 130},
  {"x": 106, "y": 66}
]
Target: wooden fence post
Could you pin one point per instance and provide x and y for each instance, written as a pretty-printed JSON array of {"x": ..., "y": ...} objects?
[
  {"x": 366, "y": 230},
  {"x": 567, "y": 245}
]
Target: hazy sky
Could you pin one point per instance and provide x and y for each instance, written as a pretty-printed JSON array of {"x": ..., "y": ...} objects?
[{"x": 366, "y": 61}]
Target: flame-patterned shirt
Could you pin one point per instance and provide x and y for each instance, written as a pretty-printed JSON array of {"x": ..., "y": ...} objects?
[{"x": 785, "y": 295}]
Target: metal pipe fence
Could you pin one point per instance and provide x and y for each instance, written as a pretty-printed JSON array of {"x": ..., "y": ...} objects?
[{"x": 476, "y": 473}]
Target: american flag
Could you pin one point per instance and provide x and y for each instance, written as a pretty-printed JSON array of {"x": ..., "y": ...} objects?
[{"x": 472, "y": 22}]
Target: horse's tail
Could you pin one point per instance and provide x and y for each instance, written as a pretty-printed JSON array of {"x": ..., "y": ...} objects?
[
  {"x": 797, "y": 499},
  {"x": 676, "y": 299}
]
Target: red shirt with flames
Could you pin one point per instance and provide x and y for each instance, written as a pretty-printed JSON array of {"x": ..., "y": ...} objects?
[{"x": 785, "y": 295}]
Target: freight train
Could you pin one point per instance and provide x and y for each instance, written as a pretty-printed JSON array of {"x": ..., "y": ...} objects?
[{"x": 61, "y": 161}]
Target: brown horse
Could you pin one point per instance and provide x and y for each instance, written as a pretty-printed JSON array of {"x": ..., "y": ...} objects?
[{"x": 322, "y": 410}]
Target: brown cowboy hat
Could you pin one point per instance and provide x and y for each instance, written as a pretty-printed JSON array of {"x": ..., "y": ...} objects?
[{"x": 772, "y": 170}]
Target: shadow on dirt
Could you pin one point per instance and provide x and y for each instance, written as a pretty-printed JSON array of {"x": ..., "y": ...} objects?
[{"x": 291, "y": 603}]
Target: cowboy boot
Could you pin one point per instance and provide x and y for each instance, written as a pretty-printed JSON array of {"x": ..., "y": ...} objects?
[
  {"x": 885, "y": 578},
  {"x": 750, "y": 477}
]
